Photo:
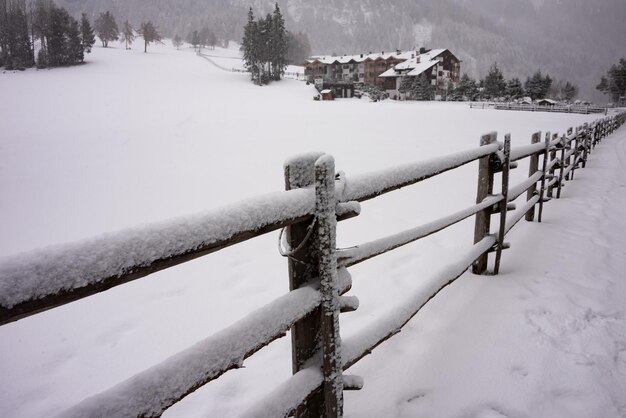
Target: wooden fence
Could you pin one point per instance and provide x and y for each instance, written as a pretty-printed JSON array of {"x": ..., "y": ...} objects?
[
  {"x": 314, "y": 200},
  {"x": 574, "y": 108},
  {"x": 584, "y": 109}
]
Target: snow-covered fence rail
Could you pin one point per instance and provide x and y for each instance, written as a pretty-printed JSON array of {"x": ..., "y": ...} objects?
[
  {"x": 44, "y": 279},
  {"x": 315, "y": 199},
  {"x": 584, "y": 109}
]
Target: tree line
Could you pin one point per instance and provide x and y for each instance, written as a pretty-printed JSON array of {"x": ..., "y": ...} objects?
[
  {"x": 614, "y": 82},
  {"x": 495, "y": 86},
  {"x": 264, "y": 47},
  {"x": 58, "y": 38},
  {"x": 49, "y": 33}
]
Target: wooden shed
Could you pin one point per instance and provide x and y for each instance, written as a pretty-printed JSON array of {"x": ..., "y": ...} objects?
[{"x": 327, "y": 94}]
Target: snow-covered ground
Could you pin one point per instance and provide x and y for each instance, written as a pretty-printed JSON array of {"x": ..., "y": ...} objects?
[{"x": 132, "y": 138}]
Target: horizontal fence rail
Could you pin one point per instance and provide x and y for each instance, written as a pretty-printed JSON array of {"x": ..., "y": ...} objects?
[
  {"x": 44, "y": 279},
  {"x": 584, "y": 109},
  {"x": 314, "y": 200}
]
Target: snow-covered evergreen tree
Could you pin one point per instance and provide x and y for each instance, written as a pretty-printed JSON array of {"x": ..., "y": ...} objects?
[
  {"x": 614, "y": 82},
  {"x": 264, "y": 47},
  {"x": 249, "y": 46},
  {"x": 538, "y": 86},
  {"x": 514, "y": 89},
  {"x": 149, "y": 33},
  {"x": 494, "y": 82},
  {"x": 17, "y": 51},
  {"x": 279, "y": 44},
  {"x": 87, "y": 34},
  {"x": 467, "y": 88},
  {"x": 106, "y": 28},
  {"x": 177, "y": 42},
  {"x": 128, "y": 34}
]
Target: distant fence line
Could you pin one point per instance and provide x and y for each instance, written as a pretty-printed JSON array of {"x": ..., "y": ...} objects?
[
  {"x": 316, "y": 197},
  {"x": 583, "y": 109}
]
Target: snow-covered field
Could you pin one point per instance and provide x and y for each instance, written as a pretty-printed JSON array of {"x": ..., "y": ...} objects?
[{"x": 132, "y": 138}]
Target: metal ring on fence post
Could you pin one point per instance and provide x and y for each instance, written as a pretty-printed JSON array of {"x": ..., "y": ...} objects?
[{"x": 290, "y": 252}]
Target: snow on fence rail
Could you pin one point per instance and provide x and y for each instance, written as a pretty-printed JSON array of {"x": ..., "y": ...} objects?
[
  {"x": 584, "y": 109},
  {"x": 314, "y": 200}
]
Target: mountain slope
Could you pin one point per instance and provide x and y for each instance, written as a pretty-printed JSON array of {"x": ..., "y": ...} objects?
[{"x": 575, "y": 39}]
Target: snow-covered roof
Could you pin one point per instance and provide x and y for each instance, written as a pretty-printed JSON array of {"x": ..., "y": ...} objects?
[
  {"x": 415, "y": 65},
  {"x": 344, "y": 59},
  {"x": 326, "y": 91},
  {"x": 415, "y": 69},
  {"x": 390, "y": 73},
  {"x": 413, "y": 62},
  {"x": 421, "y": 67}
]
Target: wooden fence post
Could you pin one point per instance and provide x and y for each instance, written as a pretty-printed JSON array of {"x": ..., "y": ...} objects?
[
  {"x": 577, "y": 141},
  {"x": 303, "y": 267},
  {"x": 561, "y": 166},
  {"x": 533, "y": 166},
  {"x": 568, "y": 147},
  {"x": 596, "y": 134},
  {"x": 542, "y": 191},
  {"x": 329, "y": 287},
  {"x": 552, "y": 168},
  {"x": 587, "y": 144},
  {"x": 506, "y": 167},
  {"x": 485, "y": 188}
]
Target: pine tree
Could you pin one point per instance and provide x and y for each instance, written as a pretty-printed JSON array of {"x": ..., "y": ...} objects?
[
  {"x": 569, "y": 92},
  {"x": 424, "y": 87},
  {"x": 514, "y": 89},
  {"x": 279, "y": 45},
  {"x": 406, "y": 86},
  {"x": 265, "y": 48},
  {"x": 40, "y": 20},
  {"x": 17, "y": 50},
  {"x": 538, "y": 86},
  {"x": 87, "y": 35},
  {"x": 249, "y": 46},
  {"x": 3, "y": 26},
  {"x": 494, "y": 82},
  {"x": 194, "y": 39},
  {"x": 467, "y": 89},
  {"x": 106, "y": 28},
  {"x": 211, "y": 39},
  {"x": 203, "y": 37},
  {"x": 298, "y": 48},
  {"x": 75, "y": 48},
  {"x": 57, "y": 37},
  {"x": 149, "y": 33},
  {"x": 450, "y": 91},
  {"x": 128, "y": 34},
  {"x": 614, "y": 82},
  {"x": 177, "y": 42}
]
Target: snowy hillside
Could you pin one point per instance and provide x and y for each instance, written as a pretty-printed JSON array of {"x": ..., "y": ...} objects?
[{"x": 132, "y": 138}]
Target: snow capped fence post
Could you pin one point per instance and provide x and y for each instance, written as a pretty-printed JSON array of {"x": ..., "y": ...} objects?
[
  {"x": 576, "y": 143},
  {"x": 533, "y": 166},
  {"x": 303, "y": 268},
  {"x": 327, "y": 267},
  {"x": 552, "y": 169},
  {"x": 587, "y": 144},
  {"x": 506, "y": 167},
  {"x": 542, "y": 191},
  {"x": 485, "y": 188},
  {"x": 561, "y": 165},
  {"x": 568, "y": 147},
  {"x": 596, "y": 134}
]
